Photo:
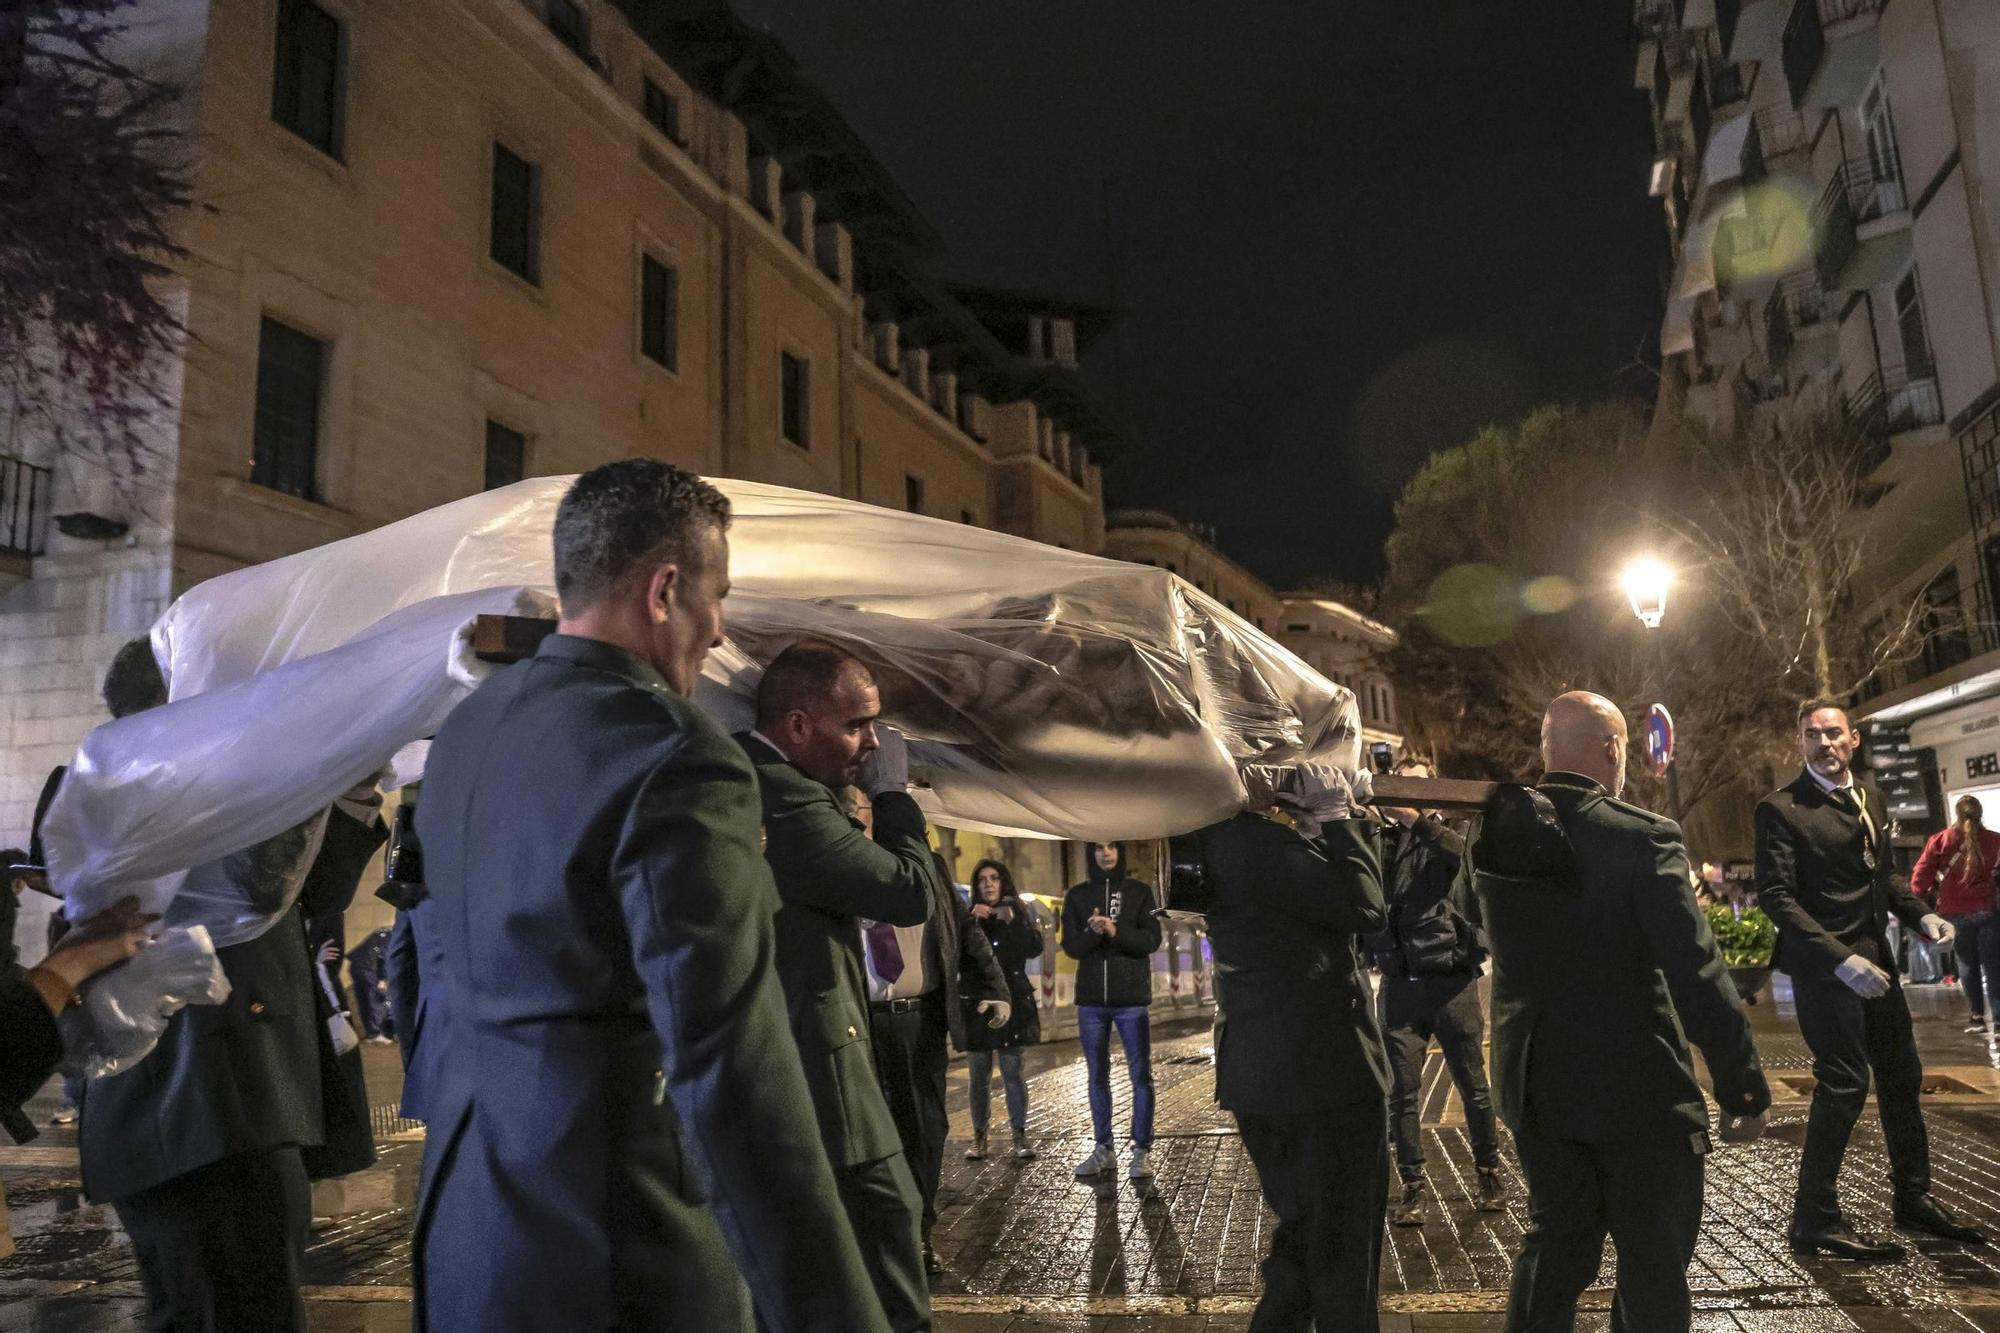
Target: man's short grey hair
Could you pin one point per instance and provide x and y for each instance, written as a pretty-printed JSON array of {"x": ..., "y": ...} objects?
[{"x": 626, "y": 516}]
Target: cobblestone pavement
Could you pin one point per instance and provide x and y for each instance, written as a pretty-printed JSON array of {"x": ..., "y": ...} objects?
[{"x": 1027, "y": 1247}]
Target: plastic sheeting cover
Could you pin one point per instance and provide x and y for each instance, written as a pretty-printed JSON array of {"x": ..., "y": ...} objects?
[{"x": 1044, "y": 692}]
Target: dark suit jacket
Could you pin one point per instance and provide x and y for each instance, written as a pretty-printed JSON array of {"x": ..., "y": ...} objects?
[
  {"x": 1814, "y": 881},
  {"x": 1294, "y": 1029},
  {"x": 1595, "y": 982},
  {"x": 620, "y": 1090},
  {"x": 236, "y": 1077},
  {"x": 829, "y": 876}
]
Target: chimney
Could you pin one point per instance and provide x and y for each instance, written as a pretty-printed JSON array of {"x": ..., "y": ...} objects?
[
  {"x": 944, "y": 392},
  {"x": 835, "y": 253},
  {"x": 917, "y": 370},
  {"x": 1045, "y": 440},
  {"x": 799, "y": 208},
  {"x": 888, "y": 345},
  {"x": 767, "y": 184},
  {"x": 1036, "y": 340},
  {"x": 1062, "y": 342},
  {"x": 972, "y": 416}
]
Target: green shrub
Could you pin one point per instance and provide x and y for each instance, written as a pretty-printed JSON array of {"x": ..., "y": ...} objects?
[{"x": 1746, "y": 940}]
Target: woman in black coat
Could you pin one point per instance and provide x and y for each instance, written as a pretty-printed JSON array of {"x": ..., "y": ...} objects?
[{"x": 1010, "y": 929}]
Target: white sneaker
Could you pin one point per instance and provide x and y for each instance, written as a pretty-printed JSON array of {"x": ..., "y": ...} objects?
[
  {"x": 1101, "y": 1159},
  {"x": 1140, "y": 1169}
]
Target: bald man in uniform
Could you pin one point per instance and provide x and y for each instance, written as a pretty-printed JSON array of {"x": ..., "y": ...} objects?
[{"x": 1601, "y": 960}]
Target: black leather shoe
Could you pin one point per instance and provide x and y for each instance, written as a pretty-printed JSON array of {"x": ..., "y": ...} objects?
[
  {"x": 1841, "y": 1243},
  {"x": 1927, "y": 1214},
  {"x": 931, "y": 1264}
]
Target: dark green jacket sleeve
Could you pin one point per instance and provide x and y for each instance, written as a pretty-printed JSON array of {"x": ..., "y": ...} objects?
[
  {"x": 699, "y": 904},
  {"x": 1705, "y": 998},
  {"x": 822, "y": 858},
  {"x": 1334, "y": 881}
]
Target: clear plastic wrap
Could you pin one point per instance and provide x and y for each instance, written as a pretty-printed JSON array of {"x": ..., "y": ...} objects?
[
  {"x": 1044, "y": 692},
  {"x": 124, "y": 1011}
]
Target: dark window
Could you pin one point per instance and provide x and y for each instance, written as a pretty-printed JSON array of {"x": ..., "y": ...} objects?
[
  {"x": 305, "y": 85},
  {"x": 1948, "y": 644},
  {"x": 664, "y": 110},
  {"x": 965, "y": 516},
  {"x": 291, "y": 366},
  {"x": 506, "y": 455},
  {"x": 1910, "y": 326},
  {"x": 1298, "y": 629},
  {"x": 659, "y": 312},
  {"x": 913, "y": 494},
  {"x": 566, "y": 21},
  {"x": 517, "y": 208},
  {"x": 795, "y": 409}
]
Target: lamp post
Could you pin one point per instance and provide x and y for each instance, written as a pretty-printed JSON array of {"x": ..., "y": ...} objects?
[{"x": 1646, "y": 583}]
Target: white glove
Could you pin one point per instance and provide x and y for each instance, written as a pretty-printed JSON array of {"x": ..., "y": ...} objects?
[
  {"x": 1363, "y": 783},
  {"x": 1938, "y": 930},
  {"x": 887, "y": 768},
  {"x": 1862, "y": 977},
  {"x": 1325, "y": 792},
  {"x": 997, "y": 1012}
]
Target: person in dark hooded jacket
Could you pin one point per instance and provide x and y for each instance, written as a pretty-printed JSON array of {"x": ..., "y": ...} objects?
[{"x": 1110, "y": 929}]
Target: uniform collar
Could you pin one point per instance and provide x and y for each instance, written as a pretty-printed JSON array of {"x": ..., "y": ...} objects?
[
  {"x": 1575, "y": 781},
  {"x": 602, "y": 656},
  {"x": 1828, "y": 787}
]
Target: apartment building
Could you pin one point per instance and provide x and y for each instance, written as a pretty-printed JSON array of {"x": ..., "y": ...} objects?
[
  {"x": 1829, "y": 170},
  {"x": 1341, "y": 644},
  {"x": 446, "y": 244}
]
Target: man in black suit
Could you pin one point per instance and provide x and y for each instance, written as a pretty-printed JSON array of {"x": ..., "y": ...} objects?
[
  {"x": 621, "y": 1110},
  {"x": 1825, "y": 876},
  {"x": 816, "y": 736},
  {"x": 1601, "y": 960},
  {"x": 1298, "y": 1058}
]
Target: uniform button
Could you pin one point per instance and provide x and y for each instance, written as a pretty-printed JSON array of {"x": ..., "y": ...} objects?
[
  {"x": 256, "y": 1008},
  {"x": 852, "y": 1031}
]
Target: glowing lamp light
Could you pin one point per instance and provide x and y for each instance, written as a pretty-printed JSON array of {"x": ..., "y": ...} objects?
[{"x": 1646, "y": 584}]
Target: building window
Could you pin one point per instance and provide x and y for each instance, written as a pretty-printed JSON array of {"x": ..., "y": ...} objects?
[
  {"x": 913, "y": 494},
  {"x": 1298, "y": 629},
  {"x": 291, "y": 370},
  {"x": 659, "y": 312},
  {"x": 506, "y": 456},
  {"x": 795, "y": 389},
  {"x": 1910, "y": 327},
  {"x": 1948, "y": 644},
  {"x": 965, "y": 516},
  {"x": 305, "y": 84},
  {"x": 663, "y": 109},
  {"x": 567, "y": 22},
  {"x": 517, "y": 214}
]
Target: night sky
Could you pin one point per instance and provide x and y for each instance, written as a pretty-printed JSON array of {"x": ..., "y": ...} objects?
[{"x": 1343, "y": 234}]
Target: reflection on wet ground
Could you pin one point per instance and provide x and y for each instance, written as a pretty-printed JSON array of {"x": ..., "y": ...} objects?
[{"x": 1027, "y": 1246}]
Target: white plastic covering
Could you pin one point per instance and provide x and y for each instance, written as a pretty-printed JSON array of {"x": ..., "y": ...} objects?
[{"x": 1044, "y": 692}]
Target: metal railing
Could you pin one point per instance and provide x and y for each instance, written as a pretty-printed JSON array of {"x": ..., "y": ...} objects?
[
  {"x": 1862, "y": 190},
  {"x": 1805, "y": 37},
  {"x": 1797, "y": 302},
  {"x": 1895, "y": 399},
  {"x": 1727, "y": 84},
  {"x": 25, "y": 490}
]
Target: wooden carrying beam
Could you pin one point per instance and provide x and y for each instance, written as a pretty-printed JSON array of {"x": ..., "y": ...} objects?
[
  {"x": 505, "y": 639},
  {"x": 1431, "y": 793}
]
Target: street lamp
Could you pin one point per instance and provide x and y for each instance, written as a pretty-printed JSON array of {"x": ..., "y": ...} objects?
[{"x": 1646, "y": 583}]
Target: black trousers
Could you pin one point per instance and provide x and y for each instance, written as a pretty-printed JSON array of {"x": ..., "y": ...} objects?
[
  {"x": 1413, "y": 1010},
  {"x": 1644, "y": 1192},
  {"x": 911, "y": 1050},
  {"x": 1325, "y": 1174},
  {"x": 221, "y": 1248},
  {"x": 1849, "y": 1038},
  {"x": 884, "y": 1209}
]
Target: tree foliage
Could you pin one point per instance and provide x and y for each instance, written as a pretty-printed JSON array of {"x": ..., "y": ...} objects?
[{"x": 94, "y": 178}]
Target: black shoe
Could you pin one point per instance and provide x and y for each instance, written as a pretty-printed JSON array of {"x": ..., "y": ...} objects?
[
  {"x": 1408, "y": 1211},
  {"x": 1839, "y": 1241},
  {"x": 931, "y": 1264},
  {"x": 1492, "y": 1190},
  {"x": 1928, "y": 1215}
]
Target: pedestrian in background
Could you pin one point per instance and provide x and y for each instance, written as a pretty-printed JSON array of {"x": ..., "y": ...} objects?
[
  {"x": 1601, "y": 962},
  {"x": 1109, "y": 927},
  {"x": 367, "y": 968},
  {"x": 1010, "y": 928},
  {"x": 1956, "y": 873},
  {"x": 1430, "y": 954},
  {"x": 1825, "y": 876}
]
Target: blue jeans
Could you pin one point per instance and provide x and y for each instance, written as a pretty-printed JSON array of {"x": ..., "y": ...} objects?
[
  {"x": 1977, "y": 949},
  {"x": 979, "y": 1064},
  {"x": 1135, "y": 1032}
]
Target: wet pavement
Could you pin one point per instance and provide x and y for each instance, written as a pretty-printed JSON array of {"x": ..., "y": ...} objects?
[{"x": 1027, "y": 1247}]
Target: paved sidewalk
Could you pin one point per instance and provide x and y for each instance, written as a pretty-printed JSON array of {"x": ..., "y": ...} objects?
[{"x": 1027, "y": 1247}]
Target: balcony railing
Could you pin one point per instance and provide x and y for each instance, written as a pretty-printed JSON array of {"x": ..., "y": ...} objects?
[
  {"x": 1797, "y": 302},
  {"x": 24, "y": 505},
  {"x": 1727, "y": 84},
  {"x": 1893, "y": 400},
  {"x": 1862, "y": 190}
]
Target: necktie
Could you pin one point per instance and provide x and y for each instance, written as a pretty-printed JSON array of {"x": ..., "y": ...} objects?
[{"x": 885, "y": 955}]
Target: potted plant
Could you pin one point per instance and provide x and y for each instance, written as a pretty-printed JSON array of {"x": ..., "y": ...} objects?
[{"x": 1746, "y": 939}]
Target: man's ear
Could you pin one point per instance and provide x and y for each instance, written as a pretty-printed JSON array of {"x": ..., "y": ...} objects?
[{"x": 660, "y": 591}]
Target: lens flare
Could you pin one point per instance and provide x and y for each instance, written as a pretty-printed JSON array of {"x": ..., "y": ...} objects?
[
  {"x": 1548, "y": 595},
  {"x": 1473, "y": 605}
]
